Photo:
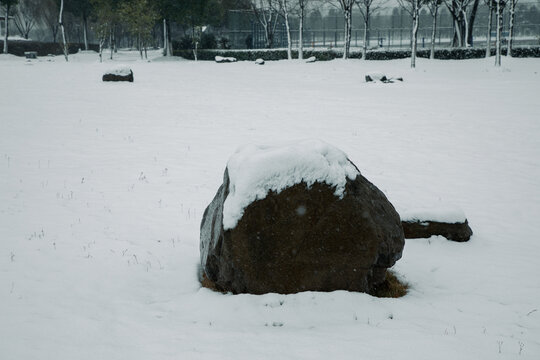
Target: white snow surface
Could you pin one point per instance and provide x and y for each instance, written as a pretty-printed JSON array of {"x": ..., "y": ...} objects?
[
  {"x": 440, "y": 213},
  {"x": 254, "y": 170},
  {"x": 103, "y": 187},
  {"x": 119, "y": 70}
]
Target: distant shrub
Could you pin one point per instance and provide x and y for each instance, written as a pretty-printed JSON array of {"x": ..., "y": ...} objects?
[
  {"x": 19, "y": 47},
  {"x": 224, "y": 43},
  {"x": 330, "y": 54},
  {"x": 208, "y": 41},
  {"x": 185, "y": 43}
]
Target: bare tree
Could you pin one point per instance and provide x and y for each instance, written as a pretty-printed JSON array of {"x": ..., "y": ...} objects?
[
  {"x": 433, "y": 7},
  {"x": 264, "y": 11},
  {"x": 368, "y": 8},
  {"x": 472, "y": 18},
  {"x": 346, "y": 7},
  {"x": 301, "y": 17},
  {"x": 284, "y": 7},
  {"x": 8, "y": 4},
  {"x": 491, "y": 7},
  {"x": 50, "y": 17},
  {"x": 413, "y": 8},
  {"x": 500, "y": 8},
  {"x": 27, "y": 15},
  {"x": 458, "y": 10},
  {"x": 511, "y": 27}
]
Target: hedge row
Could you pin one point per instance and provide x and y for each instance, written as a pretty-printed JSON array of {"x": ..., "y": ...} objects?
[
  {"x": 19, "y": 47},
  {"x": 323, "y": 55}
]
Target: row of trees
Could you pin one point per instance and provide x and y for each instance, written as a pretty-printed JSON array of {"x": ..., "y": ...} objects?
[
  {"x": 463, "y": 12},
  {"x": 139, "y": 17}
]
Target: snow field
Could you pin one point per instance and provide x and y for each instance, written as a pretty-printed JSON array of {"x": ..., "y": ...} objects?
[{"x": 103, "y": 186}]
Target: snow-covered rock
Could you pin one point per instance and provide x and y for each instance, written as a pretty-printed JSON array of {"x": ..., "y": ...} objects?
[
  {"x": 118, "y": 73},
  {"x": 259, "y": 61},
  {"x": 297, "y": 217},
  {"x": 377, "y": 76},
  {"x": 221, "y": 59},
  {"x": 311, "y": 59},
  {"x": 449, "y": 222}
]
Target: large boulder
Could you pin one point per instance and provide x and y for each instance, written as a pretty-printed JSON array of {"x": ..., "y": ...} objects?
[{"x": 295, "y": 218}]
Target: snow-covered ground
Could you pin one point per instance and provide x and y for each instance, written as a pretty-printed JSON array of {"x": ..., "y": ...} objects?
[{"x": 103, "y": 186}]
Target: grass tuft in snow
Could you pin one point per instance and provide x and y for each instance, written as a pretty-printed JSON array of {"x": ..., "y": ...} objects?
[{"x": 392, "y": 287}]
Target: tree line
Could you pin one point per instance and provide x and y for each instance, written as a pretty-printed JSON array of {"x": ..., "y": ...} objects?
[{"x": 139, "y": 19}]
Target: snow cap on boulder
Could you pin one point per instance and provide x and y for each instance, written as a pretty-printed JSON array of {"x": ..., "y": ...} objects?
[{"x": 254, "y": 170}]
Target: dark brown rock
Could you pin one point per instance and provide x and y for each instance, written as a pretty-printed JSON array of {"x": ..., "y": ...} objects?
[
  {"x": 116, "y": 77},
  {"x": 424, "y": 229},
  {"x": 303, "y": 239}
]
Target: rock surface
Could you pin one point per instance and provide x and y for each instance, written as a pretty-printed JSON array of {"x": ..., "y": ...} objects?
[
  {"x": 302, "y": 238},
  {"x": 459, "y": 231}
]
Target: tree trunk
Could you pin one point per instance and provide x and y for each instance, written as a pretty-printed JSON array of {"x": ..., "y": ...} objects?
[
  {"x": 466, "y": 29},
  {"x": 488, "y": 37},
  {"x": 366, "y": 33},
  {"x": 139, "y": 45},
  {"x": 111, "y": 47},
  {"x": 6, "y": 28},
  {"x": 101, "y": 43},
  {"x": 457, "y": 29},
  {"x": 511, "y": 27},
  {"x": 301, "y": 32},
  {"x": 165, "y": 42},
  {"x": 62, "y": 28},
  {"x": 288, "y": 27},
  {"x": 414, "y": 39},
  {"x": 347, "y": 37},
  {"x": 433, "y": 33},
  {"x": 85, "y": 32},
  {"x": 472, "y": 18},
  {"x": 499, "y": 33}
]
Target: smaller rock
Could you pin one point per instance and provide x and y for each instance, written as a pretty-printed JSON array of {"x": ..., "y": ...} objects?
[
  {"x": 221, "y": 59},
  {"x": 381, "y": 77},
  {"x": 30, "y": 54},
  {"x": 120, "y": 73},
  {"x": 311, "y": 59},
  {"x": 259, "y": 61},
  {"x": 459, "y": 232},
  {"x": 449, "y": 222},
  {"x": 376, "y": 76}
]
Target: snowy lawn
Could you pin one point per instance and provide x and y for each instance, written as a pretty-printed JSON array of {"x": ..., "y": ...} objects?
[{"x": 103, "y": 186}]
